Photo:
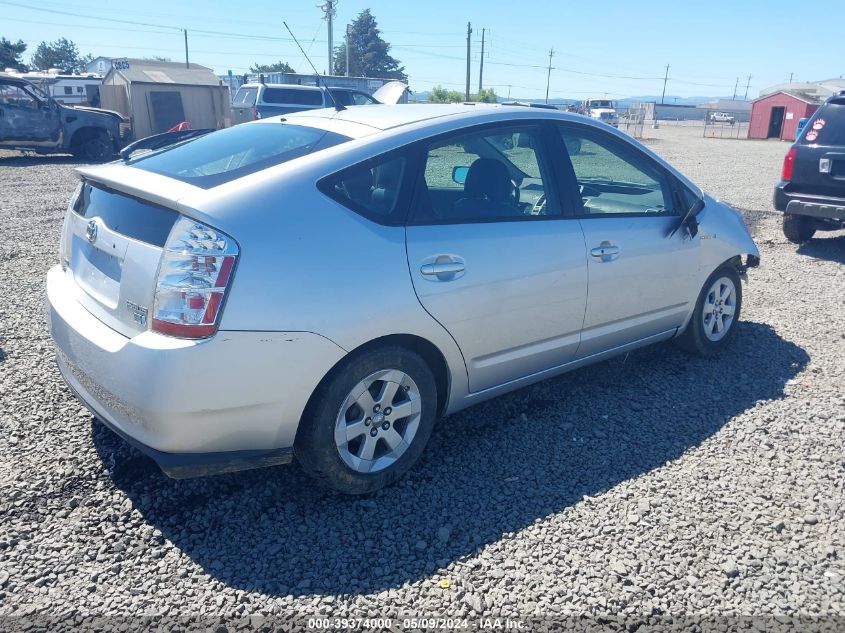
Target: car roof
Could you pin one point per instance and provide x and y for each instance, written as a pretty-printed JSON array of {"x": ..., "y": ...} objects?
[
  {"x": 389, "y": 116},
  {"x": 291, "y": 86}
]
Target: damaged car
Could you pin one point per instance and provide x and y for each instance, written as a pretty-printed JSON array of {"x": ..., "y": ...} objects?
[{"x": 31, "y": 120}]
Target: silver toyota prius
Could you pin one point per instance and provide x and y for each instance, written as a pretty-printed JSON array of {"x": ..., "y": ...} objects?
[{"x": 326, "y": 285}]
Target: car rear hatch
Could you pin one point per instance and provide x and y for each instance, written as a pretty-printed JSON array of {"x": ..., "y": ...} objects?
[
  {"x": 819, "y": 168},
  {"x": 112, "y": 244},
  {"x": 119, "y": 222},
  {"x": 243, "y": 104}
]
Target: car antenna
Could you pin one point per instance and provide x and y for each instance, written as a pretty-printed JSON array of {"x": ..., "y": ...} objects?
[{"x": 337, "y": 106}]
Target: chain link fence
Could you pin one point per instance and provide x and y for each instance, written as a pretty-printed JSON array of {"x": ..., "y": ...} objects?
[
  {"x": 632, "y": 121},
  {"x": 726, "y": 123}
]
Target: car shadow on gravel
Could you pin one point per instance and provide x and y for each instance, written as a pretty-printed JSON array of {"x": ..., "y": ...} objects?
[
  {"x": 821, "y": 247},
  {"x": 488, "y": 472}
]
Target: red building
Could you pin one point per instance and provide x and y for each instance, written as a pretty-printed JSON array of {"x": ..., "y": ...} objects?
[{"x": 776, "y": 115}]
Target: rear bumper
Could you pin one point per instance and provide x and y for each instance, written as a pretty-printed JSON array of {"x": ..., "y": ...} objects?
[
  {"x": 816, "y": 207},
  {"x": 231, "y": 400},
  {"x": 186, "y": 465}
]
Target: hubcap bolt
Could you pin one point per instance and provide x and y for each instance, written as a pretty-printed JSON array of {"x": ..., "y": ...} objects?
[
  {"x": 385, "y": 426},
  {"x": 368, "y": 421},
  {"x": 373, "y": 432},
  {"x": 387, "y": 411},
  {"x": 376, "y": 408}
]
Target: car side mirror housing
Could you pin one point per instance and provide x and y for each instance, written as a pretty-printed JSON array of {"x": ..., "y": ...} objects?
[{"x": 459, "y": 174}]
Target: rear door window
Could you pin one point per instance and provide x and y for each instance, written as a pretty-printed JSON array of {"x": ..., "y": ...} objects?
[
  {"x": 294, "y": 96},
  {"x": 232, "y": 153},
  {"x": 488, "y": 175}
]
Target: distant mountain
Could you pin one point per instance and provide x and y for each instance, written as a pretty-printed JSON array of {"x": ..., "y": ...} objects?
[
  {"x": 624, "y": 102},
  {"x": 668, "y": 100}
]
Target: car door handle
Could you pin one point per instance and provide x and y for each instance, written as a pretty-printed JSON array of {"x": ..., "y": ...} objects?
[
  {"x": 605, "y": 251},
  {"x": 442, "y": 268}
]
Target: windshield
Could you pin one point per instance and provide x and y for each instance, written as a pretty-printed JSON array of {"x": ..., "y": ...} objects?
[
  {"x": 232, "y": 153},
  {"x": 601, "y": 104}
]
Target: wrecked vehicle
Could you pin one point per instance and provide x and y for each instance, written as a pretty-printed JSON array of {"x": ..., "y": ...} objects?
[{"x": 33, "y": 121}]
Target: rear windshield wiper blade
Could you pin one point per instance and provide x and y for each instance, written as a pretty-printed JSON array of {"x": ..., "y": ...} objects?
[{"x": 157, "y": 141}]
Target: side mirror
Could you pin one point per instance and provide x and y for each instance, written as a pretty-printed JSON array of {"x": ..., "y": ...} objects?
[
  {"x": 459, "y": 174},
  {"x": 573, "y": 145}
]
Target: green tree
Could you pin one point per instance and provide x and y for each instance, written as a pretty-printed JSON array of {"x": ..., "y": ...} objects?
[
  {"x": 10, "y": 54},
  {"x": 439, "y": 94},
  {"x": 277, "y": 67},
  {"x": 485, "y": 96},
  {"x": 369, "y": 54},
  {"x": 62, "y": 54}
]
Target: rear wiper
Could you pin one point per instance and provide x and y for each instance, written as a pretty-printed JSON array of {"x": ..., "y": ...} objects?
[{"x": 157, "y": 141}]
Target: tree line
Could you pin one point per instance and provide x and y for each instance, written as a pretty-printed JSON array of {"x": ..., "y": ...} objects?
[{"x": 369, "y": 56}]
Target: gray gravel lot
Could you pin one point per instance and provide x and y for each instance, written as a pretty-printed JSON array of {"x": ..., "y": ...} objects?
[{"x": 652, "y": 484}]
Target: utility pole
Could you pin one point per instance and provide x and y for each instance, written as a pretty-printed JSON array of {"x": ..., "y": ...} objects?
[
  {"x": 469, "y": 32},
  {"x": 790, "y": 77},
  {"x": 348, "y": 36},
  {"x": 665, "y": 79},
  {"x": 549, "y": 74},
  {"x": 330, "y": 10},
  {"x": 736, "y": 85},
  {"x": 481, "y": 69},
  {"x": 747, "y": 86},
  {"x": 187, "y": 63}
]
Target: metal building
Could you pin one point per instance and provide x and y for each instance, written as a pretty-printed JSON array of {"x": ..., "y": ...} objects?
[
  {"x": 155, "y": 95},
  {"x": 776, "y": 115}
]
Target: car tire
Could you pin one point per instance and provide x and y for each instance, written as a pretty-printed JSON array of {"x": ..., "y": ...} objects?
[
  {"x": 96, "y": 148},
  {"x": 798, "y": 228},
  {"x": 349, "y": 439},
  {"x": 716, "y": 314}
]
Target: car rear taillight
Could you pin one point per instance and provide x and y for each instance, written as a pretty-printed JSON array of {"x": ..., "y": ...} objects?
[
  {"x": 255, "y": 114},
  {"x": 788, "y": 164},
  {"x": 193, "y": 279}
]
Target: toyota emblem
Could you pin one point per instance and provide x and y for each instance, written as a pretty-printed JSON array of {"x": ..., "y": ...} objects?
[{"x": 91, "y": 231}]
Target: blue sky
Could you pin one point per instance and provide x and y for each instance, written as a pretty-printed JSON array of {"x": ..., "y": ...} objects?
[{"x": 612, "y": 47}]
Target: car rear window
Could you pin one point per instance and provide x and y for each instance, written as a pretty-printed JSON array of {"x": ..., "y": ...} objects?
[
  {"x": 229, "y": 154},
  {"x": 139, "y": 219},
  {"x": 292, "y": 95},
  {"x": 827, "y": 127},
  {"x": 245, "y": 97}
]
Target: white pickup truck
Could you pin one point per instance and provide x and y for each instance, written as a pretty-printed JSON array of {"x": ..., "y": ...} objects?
[
  {"x": 722, "y": 117},
  {"x": 602, "y": 109}
]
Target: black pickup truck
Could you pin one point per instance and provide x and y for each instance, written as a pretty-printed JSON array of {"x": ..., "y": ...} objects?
[
  {"x": 811, "y": 191},
  {"x": 31, "y": 120}
]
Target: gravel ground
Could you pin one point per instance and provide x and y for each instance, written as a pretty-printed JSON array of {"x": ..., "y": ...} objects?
[{"x": 651, "y": 484}]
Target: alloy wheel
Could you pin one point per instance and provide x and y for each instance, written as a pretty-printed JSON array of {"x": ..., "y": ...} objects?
[
  {"x": 378, "y": 420},
  {"x": 719, "y": 309}
]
